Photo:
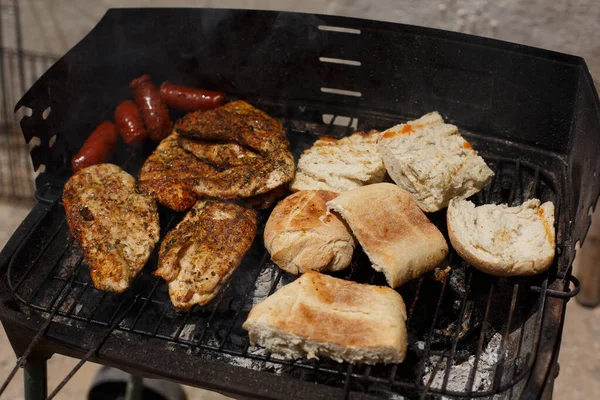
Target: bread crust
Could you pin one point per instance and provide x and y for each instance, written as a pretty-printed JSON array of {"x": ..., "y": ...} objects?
[
  {"x": 501, "y": 267},
  {"x": 433, "y": 162},
  {"x": 318, "y": 315},
  {"x": 300, "y": 236},
  {"x": 391, "y": 228},
  {"x": 342, "y": 164}
]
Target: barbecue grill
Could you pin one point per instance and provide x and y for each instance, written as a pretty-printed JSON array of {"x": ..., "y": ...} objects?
[{"x": 532, "y": 114}]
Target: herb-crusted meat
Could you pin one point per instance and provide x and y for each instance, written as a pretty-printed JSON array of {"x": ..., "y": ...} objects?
[
  {"x": 198, "y": 256},
  {"x": 116, "y": 227}
]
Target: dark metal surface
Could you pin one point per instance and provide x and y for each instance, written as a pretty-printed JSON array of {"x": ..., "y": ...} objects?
[
  {"x": 537, "y": 129},
  {"x": 35, "y": 380}
]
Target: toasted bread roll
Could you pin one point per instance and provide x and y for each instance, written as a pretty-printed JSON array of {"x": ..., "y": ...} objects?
[
  {"x": 431, "y": 160},
  {"x": 300, "y": 235},
  {"x": 318, "y": 315},
  {"x": 340, "y": 165},
  {"x": 502, "y": 240},
  {"x": 398, "y": 238}
]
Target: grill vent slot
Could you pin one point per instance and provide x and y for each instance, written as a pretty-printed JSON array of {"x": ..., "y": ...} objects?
[
  {"x": 354, "y": 63},
  {"x": 341, "y": 92},
  {"x": 339, "y": 29}
]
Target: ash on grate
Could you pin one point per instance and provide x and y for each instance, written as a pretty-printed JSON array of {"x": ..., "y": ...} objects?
[{"x": 459, "y": 374}]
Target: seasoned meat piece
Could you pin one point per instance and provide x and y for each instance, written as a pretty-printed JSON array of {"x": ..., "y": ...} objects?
[
  {"x": 170, "y": 173},
  {"x": 115, "y": 226},
  {"x": 238, "y": 132},
  {"x": 256, "y": 177},
  {"x": 236, "y": 122},
  {"x": 200, "y": 254},
  {"x": 220, "y": 155}
]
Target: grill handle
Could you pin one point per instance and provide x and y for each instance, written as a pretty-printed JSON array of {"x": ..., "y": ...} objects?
[{"x": 559, "y": 293}]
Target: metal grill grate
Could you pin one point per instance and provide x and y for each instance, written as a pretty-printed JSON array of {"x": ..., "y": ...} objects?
[{"x": 455, "y": 319}]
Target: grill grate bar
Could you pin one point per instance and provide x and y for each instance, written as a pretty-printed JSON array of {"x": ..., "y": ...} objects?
[
  {"x": 481, "y": 339},
  {"x": 347, "y": 381},
  {"x": 36, "y": 260},
  {"x": 434, "y": 372},
  {"x": 515, "y": 371},
  {"x": 427, "y": 349},
  {"x": 458, "y": 329},
  {"x": 245, "y": 298},
  {"x": 94, "y": 350},
  {"x": 505, "y": 338},
  {"x": 144, "y": 305},
  {"x": 76, "y": 300},
  {"x": 55, "y": 305},
  {"x": 515, "y": 184},
  {"x": 490, "y": 188},
  {"x": 271, "y": 291}
]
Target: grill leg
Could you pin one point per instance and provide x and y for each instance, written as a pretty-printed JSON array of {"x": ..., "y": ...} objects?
[
  {"x": 135, "y": 386},
  {"x": 36, "y": 387}
]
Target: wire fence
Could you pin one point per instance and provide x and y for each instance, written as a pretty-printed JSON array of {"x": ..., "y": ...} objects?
[{"x": 18, "y": 71}]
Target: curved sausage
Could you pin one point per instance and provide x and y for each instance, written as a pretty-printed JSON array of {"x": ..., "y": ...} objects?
[
  {"x": 129, "y": 122},
  {"x": 186, "y": 99},
  {"x": 98, "y": 147},
  {"x": 152, "y": 107}
]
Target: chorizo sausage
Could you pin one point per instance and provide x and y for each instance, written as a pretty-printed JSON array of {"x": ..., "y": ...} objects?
[
  {"x": 152, "y": 107},
  {"x": 97, "y": 148},
  {"x": 129, "y": 122},
  {"x": 187, "y": 99}
]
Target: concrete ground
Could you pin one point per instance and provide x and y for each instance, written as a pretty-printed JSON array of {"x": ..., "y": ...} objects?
[{"x": 53, "y": 26}]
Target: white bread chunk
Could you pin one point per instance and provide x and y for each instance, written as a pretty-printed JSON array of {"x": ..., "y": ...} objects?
[
  {"x": 342, "y": 164},
  {"x": 300, "y": 235},
  {"x": 392, "y": 230},
  {"x": 502, "y": 240},
  {"x": 318, "y": 315},
  {"x": 433, "y": 162}
]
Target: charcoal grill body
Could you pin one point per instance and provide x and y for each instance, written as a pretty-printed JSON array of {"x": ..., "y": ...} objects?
[{"x": 532, "y": 114}]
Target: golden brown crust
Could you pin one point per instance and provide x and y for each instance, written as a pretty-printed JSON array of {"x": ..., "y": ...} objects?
[
  {"x": 300, "y": 235},
  {"x": 336, "y": 314},
  {"x": 170, "y": 173},
  {"x": 398, "y": 238},
  {"x": 199, "y": 255},
  {"x": 115, "y": 226}
]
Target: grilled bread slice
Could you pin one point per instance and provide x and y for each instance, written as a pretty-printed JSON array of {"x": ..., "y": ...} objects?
[
  {"x": 318, "y": 315},
  {"x": 200, "y": 254},
  {"x": 431, "y": 160},
  {"x": 392, "y": 230},
  {"x": 300, "y": 235},
  {"x": 502, "y": 240},
  {"x": 340, "y": 165},
  {"x": 116, "y": 227}
]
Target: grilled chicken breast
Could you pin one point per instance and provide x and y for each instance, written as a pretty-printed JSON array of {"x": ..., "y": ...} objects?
[
  {"x": 198, "y": 256},
  {"x": 220, "y": 155},
  {"x": 170, "y": 173},
  {"x": 116, "y": 227},
  {"x": 247, "y": 144},
  {"x": 235, "y": 122}
]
